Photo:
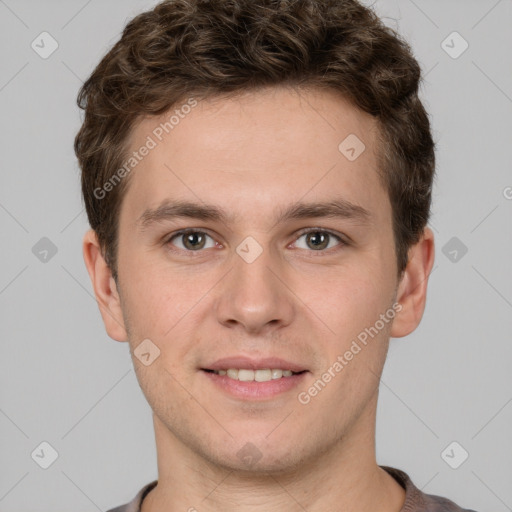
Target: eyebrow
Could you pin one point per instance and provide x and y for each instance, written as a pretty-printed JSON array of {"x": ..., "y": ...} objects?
[{"x": 170, "y": 210}]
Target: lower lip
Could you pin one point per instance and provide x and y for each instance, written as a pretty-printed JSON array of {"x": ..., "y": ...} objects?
[{"x": 255, "y": 390}]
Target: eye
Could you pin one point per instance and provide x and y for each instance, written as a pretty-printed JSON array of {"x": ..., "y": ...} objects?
[
  {"x": 191, "y": 240},
  {"x": 319, "y": 240}
]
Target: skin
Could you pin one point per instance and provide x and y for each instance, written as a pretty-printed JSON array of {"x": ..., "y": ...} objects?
[{"x": 253, "y": 155}]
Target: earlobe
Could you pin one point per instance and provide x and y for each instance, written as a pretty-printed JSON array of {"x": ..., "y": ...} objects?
[
  {"x": 412, "y": 290},
  {"x": 105, "y": 288}
]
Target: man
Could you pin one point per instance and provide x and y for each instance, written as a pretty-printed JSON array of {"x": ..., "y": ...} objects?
[{"x": 257, "y": 175}]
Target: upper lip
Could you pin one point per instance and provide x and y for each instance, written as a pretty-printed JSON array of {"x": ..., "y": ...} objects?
[{"x": 247, "y": 363}]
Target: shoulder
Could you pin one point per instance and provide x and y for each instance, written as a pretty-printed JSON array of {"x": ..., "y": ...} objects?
[
  {"x": 417, "y": 501},
  {"x": 135, "y": 504}
]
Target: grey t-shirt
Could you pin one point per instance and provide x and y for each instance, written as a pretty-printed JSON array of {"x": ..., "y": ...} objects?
[{"x": 415, "y": 500}]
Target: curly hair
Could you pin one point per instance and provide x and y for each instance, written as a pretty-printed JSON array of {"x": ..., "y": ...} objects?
[{"x": 205, "y": 48}]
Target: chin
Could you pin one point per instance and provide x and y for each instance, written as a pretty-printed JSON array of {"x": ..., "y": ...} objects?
[{"x": 252, "y": 459}]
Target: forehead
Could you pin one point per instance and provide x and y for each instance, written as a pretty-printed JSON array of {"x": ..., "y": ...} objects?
[{"x": 256, "y": 151}]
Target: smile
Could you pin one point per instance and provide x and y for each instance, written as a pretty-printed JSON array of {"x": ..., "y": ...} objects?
[
  {"x": 263, "y": 375},
  {"x": 254, "y": 385}
]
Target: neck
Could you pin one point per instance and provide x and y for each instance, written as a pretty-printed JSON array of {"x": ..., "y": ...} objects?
[{"x": 344, "y": 478}]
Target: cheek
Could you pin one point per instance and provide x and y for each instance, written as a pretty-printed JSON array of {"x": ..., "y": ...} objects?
[
  {"x": 156, "y": 299},
  {"x": 345, "y": 300},
  {"x": 354, "y": 354},
  {"x": 164, "y": 308}
]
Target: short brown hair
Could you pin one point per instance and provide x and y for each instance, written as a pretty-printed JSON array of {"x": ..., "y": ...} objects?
[{"x": 205, "y": 48}]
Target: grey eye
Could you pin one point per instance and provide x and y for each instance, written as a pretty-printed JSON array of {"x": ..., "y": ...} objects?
[
  {"x": 191, "y": 240},
  {"x": 318, "y": 240}
]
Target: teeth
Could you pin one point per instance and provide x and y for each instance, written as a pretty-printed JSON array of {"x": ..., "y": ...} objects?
[
  {"x": 277, "y": 374},
  {"x": 233, "y": 374},
  {"x": 262, "y": 375},
  {"x": 245, "y": 375},
  {"x": 255, "y": 375}
]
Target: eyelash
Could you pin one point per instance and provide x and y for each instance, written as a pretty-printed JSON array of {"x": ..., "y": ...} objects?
[{"x": 342, "y": 241}]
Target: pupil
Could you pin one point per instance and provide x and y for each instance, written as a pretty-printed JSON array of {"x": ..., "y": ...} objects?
[
  {"x": 320, "y": 237},
  {"x": 192, "y": 239}
]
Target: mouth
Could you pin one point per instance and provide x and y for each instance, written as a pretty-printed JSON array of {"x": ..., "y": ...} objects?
[
  {"x": 249, "y": 375},
  {"x": 250, "y": 379}
]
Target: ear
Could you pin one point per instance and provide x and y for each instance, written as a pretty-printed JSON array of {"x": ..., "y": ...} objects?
[
  {"x": 105, "y": 287},
  {"x": 412, "y": 289}
]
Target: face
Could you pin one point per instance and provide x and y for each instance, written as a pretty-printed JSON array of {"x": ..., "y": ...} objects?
[{"x": 282, "y": 259}]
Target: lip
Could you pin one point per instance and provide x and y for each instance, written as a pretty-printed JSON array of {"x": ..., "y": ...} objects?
[
  {"x": 254, "y": 390},
  {"x": 247, "y": 363}
]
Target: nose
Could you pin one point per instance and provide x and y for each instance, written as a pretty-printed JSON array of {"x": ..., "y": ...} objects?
[{"x": 255, "y": 296}]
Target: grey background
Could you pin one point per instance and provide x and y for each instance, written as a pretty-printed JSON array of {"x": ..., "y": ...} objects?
[{"x": 65, "y": 382}]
